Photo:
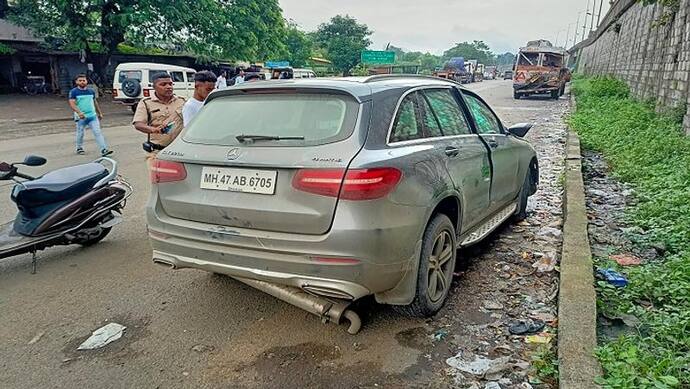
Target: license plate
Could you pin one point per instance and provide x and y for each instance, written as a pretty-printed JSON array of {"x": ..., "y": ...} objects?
[{"x": 239, "y": 180}]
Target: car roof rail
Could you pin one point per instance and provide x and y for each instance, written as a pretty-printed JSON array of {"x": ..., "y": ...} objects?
[{"x": 383, "y": 77}]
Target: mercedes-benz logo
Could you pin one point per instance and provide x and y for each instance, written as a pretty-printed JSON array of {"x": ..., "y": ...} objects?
[{"x": 233, "y": 154}]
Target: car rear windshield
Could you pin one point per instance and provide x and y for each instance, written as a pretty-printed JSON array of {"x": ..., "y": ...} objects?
[{"x": 318, "y": 118}]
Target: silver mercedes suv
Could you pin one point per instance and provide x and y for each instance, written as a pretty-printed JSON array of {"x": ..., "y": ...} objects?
[{"x": 340, "y": 188}]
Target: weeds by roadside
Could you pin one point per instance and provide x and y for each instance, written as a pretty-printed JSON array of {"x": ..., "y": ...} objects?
[
  {"x": 545, "y": 365},
  {"x": 651, "y": 153}
]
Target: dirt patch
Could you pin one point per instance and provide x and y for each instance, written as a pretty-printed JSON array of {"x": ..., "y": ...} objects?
[
  {"x": 308, "y": 365},
  {"x": 116, "y": 352}
]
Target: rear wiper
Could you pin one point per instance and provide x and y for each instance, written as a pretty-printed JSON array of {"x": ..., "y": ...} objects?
[{"x": 243, "y": 138}]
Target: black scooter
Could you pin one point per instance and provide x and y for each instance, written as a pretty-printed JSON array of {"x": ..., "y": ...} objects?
[{"x": 73, "y": 205}]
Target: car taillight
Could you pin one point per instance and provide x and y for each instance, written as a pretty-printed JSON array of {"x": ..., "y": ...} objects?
[
  {"x": 167, "y": 171},
  {"x": 114, "y": 92},
  {"x": 147, "y": 93},
  {"x": 357, "y": 184}
]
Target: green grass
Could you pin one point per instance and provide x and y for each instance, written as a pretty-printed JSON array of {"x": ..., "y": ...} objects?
[
  {"x": 651, "y": 153},
  {"x": 545, "y": 365}
]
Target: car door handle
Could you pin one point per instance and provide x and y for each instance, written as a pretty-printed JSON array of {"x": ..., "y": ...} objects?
[
  {"x": 452, "y": 151},
  {"x": 492, "y": 143}
]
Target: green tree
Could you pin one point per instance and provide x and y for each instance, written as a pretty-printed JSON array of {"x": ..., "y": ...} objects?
[
  {"x": 344, "y": 39},
  {"x": 505, "y": 59},
  {"x": 476, "y": 50},
  {"x": 427, "y": 62},
  {"x": 232, "y": 29},
  {"x": 299, "y": 46},
  {"x": 4, "y": 7},
  {"x": 399, "y": 53}
]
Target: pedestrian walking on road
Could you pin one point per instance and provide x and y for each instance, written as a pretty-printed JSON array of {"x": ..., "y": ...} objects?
[
  {"x": 159, "y": 116},
  {"x": 204, "y": 83},
  {"x": 221, "y": 81},
  {"x": 87, "y": 113}
]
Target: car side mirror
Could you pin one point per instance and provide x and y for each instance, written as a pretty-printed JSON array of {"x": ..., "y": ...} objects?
[
  {"x": 520, "y": 129},
  {"x": 34, "y": 160}
]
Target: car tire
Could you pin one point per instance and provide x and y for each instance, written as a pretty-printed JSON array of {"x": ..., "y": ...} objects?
[
  {"x": 131, "y": 87},
  {"x": 521, "y": 212},
  {"x": 436, "y": 264},
  {"x": 561, "y": 92},
  {"x": 554, "y": 94},
  {"x": 516, "y": 95}
]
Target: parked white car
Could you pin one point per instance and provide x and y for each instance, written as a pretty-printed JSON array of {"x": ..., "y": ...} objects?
[
  {"x": 132, "y": 83},
  {"x": 303, "y": 73}
]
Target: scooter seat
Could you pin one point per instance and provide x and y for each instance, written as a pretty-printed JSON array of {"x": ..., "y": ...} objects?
[{"x": 58, "y": 185}]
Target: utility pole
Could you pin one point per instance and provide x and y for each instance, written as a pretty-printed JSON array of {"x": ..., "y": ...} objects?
[
  {"x": 599, "y": 14},
  {"x": 558, "y": 36},
  {"x": 567, "y": 35},
  {"x": 584, "y": 25},
  {"x": 591, "y": 23},
  {"x": 577, "y": 26}
]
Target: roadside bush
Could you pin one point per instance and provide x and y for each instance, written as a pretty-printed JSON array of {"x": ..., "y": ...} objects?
[{"x": 652, "y": 154}]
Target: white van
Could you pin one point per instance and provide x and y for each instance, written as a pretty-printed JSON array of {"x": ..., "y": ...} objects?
[
  {"x": 132, "y": 81},
  {"x": 303, "y": 73}
]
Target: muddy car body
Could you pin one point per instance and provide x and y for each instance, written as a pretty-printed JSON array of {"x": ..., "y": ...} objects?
[
  {"x": 540, "y": 69},
  {"x": 367, "y": 190}
]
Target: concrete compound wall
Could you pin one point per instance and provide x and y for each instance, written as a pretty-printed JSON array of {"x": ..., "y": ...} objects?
[{"x": 653, "y": 59}]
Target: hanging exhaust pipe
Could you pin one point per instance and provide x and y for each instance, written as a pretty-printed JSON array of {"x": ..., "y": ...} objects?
[{"x": 327, "y": 310}]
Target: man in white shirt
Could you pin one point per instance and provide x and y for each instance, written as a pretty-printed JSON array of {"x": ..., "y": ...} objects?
[
  {"x": 221, "y": 81},
  {"x": 204, "y": 83},
  {"x": 240, "y": 77}
]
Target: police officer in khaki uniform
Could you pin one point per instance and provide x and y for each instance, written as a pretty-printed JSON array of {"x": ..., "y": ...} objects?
[{"x": 159, "y": 116}]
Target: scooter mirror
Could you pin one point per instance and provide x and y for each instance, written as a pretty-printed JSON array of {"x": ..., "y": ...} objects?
[{"x": 34, "y": 160}]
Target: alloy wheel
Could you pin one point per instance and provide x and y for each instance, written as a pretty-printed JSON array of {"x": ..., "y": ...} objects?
[{"x": 439, "y": 266}]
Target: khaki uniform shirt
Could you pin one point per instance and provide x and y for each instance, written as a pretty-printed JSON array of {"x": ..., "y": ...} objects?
[{"x": 161, "y": 113}]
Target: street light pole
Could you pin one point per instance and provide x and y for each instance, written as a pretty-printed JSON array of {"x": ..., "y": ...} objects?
[
  {"x": 567, "y": 36},
  {"x": 591, "y": 23}
]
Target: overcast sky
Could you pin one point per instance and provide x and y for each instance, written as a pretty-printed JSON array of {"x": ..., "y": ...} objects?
[{"x": 436, "y": 25}]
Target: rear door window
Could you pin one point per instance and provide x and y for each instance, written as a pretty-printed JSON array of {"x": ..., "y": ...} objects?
[
  {"x": 190, "y": 76},
  {"x": 177, "y": 76},
  {"x": 153, "y": 72},
  {"x": 319, "y": 118},
  {"x": 431, "y": 123},
  {"x": 447, "y": 112},
  {"x": 406, "y": 125},
  {"x": 486, "y": 121}
]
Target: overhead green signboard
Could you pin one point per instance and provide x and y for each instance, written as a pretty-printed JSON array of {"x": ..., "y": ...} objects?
[{"x": 374, "y": 57}]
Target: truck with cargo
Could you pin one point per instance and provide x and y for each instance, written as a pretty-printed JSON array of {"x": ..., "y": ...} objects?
[
  {"x": 540, "y": 69},
  {"x": 456, "y": 69}
]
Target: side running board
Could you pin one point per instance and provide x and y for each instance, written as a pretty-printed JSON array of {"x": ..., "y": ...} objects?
[{"x": 489, "y": 225}]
